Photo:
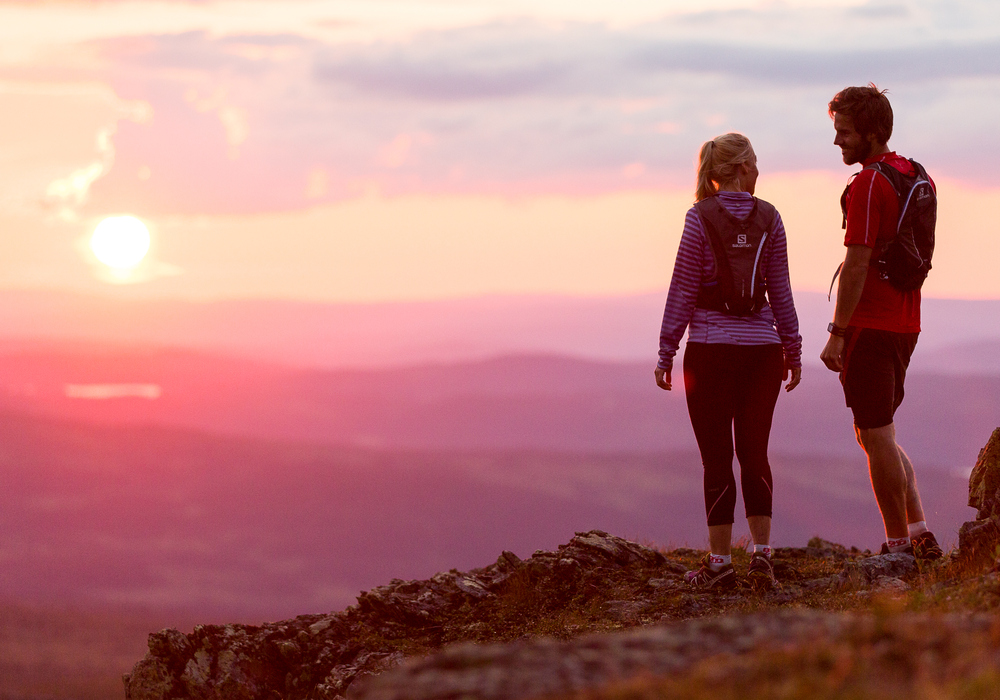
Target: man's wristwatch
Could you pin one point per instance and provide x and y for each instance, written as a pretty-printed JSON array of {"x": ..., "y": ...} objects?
[{"x": 836, "y": 330}]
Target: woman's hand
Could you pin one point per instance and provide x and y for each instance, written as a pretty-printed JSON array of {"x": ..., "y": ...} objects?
[
  {"x": 796, "y": 376},
  {"x": 662, "y": 378}
]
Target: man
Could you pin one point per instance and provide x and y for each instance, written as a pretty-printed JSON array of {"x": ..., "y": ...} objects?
[{"x": 875, "y": 326}]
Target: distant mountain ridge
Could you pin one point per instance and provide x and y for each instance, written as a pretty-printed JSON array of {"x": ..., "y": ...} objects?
[
  {"x": 397, "y": 334},
  {"x": 517, "y": 402}
]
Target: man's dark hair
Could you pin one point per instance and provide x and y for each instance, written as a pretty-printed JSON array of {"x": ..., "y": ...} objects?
[{"x": 868, "y": 108}]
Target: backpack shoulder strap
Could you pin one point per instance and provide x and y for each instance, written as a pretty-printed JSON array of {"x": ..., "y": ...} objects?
[
  {"x": 766, "y": 213},
  {"x": 896, "y": 179},
  {"x": 709, "y": 210},
  {"x": 843, "y": 197}
]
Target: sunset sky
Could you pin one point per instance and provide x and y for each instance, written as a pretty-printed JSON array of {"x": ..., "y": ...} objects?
[{"x": 379, "y": 150}]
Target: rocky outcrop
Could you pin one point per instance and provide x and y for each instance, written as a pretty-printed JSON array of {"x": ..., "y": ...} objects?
[
  {"x": 978, "y": 539},
  {"x": 320, "y": 656},
  {"x": 617, "y": 583}
]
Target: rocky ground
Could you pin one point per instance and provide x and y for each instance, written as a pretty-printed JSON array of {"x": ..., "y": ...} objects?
[{"x": 603, "y": 617}]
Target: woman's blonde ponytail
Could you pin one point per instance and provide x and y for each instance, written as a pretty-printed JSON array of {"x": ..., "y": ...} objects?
[
  {"x": 705, "y": 187},
  {"x": 719, "y": 162}
]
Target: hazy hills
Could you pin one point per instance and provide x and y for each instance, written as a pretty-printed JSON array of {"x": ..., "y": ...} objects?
[
  {"x": 258, "y": 491},
  {"x": 513, "y": 403},
  {"x": 177, "y": 519}
]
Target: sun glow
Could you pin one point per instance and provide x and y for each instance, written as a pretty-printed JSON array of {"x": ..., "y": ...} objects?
[{"x": 120, "y": 242}]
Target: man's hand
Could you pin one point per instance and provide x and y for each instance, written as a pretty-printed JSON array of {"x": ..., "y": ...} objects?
[
  {"x": 796, "y": 375},
  {"x": 853, "y": 276},
  {"x": 833, "y": 354},
  {"x": 662, "y": 378}
]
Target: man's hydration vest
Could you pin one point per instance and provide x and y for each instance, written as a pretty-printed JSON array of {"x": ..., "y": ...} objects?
[
  {"x": 906, "y": 259},
  {"x": 738, "y": 286}
]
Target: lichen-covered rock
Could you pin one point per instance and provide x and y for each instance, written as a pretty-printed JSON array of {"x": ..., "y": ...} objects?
[
  {"x": 891, "y": 585},
  {"x": 984, "y": 482},
  {"x": 597, "y": 547},
  {"x": 151, "y": 679},
  {"x": 865, "y": 572}
]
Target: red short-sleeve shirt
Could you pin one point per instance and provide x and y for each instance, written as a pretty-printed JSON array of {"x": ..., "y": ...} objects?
[{"x": 872, "y": 217}]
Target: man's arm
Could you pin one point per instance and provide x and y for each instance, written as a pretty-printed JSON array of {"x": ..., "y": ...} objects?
[{"x": 852, "y": 283}]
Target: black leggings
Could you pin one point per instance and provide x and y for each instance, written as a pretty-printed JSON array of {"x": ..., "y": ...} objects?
[{"x": 727, "y": 387}]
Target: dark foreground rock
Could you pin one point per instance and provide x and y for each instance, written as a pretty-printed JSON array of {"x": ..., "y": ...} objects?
[{"x": 544, "y": 667}]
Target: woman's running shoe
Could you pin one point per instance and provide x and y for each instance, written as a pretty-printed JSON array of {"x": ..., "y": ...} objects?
[
  {"x": 704, "y": 577},
  {"x": 761, "y": 572}
]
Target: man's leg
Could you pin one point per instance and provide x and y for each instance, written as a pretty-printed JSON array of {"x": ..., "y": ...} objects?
[
  {"x": 925, "y": 545},
  {"x": 889, "y": 478},
  {"x": 914, "y": 508},
  {"x": 873, "y": 385}
]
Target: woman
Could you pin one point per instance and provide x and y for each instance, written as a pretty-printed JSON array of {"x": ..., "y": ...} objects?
[{"x": 739, "y": 349}]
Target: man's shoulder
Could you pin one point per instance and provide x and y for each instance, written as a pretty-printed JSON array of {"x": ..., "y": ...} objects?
[
  {"x": 872, "y": 181},
  {"x": 888, "y": 166},
  {"x": 904, "y": 165}
]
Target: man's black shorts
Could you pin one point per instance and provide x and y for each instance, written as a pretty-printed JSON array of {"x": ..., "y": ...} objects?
[{"x": 875, "y": 363}]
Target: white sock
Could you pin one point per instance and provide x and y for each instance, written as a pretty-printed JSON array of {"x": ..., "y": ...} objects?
[
  {"x": 916, "y": 529},
  {"x": 897, "y": 545},
  {"x": 764, "y": 549},
  {"x": 717, "y": 561}
]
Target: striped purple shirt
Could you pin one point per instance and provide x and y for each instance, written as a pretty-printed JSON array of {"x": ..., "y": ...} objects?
[{"x": 776, "y": 322}]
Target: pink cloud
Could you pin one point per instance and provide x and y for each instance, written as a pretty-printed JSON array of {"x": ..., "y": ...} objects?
[{"x": 259, "y": 123}]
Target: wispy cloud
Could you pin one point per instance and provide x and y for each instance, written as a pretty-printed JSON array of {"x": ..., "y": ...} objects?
[{"x": 282, "y": 120}]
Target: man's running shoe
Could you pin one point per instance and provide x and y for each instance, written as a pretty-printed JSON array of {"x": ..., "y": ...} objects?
[
  {"x": 925, "y": 546},
  {"x": 704, "y": 577},
  {"x": 761, "y": 572}
]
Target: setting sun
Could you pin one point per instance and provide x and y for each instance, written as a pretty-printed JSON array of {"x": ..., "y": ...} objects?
[{"x": 120, "y": 242}]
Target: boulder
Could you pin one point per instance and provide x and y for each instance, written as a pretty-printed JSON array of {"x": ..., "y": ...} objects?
[
  {"x": 978, "y": 539},
  {"x": 984, "y": 483},
  {"x": 868, "y": 571}
]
